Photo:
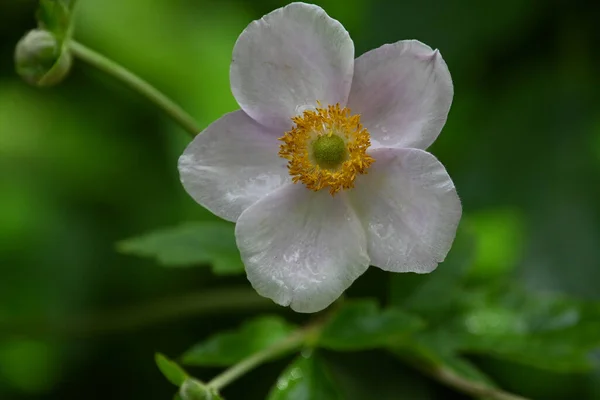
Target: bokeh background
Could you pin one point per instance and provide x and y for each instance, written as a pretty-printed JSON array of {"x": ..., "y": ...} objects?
[{"x": 88, "y": 163}]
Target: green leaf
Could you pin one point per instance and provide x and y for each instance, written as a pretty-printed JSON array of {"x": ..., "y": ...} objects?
[
  {"x": 357, "y": 379},
  {"x": 306, "y": 378},
  {"x": 228, "y": 348},
  {"x": 547, "y": 332},
  {"x": 55, "y": 16},
  {"x": 362, "y": 325},
  {"x": 434, "y": 295},
  {"x": 190, "y": 244},
  {"x": 170, "y": 369}
]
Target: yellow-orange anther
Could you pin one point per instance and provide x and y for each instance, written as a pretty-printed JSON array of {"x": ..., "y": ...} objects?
[{"x": 329, "y": 163}]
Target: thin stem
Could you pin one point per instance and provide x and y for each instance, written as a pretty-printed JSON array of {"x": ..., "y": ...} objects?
[
  {"x": 138, "y": 316},
  {"x": 292, "y": 342},
  {"x": 136, "y": 83},
  {"x": 464, "y": 385}
]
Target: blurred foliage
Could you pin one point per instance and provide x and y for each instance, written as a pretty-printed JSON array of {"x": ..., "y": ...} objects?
[
  {"x": 228, "y": 348},
  {"x": 192, "y": 244},
  {"x": 89, "y": 164},
  {"x": 173, "y": 372}
]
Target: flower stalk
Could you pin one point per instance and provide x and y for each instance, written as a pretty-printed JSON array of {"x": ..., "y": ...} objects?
[
  {"x": 136, "y": 83},
  {"x": 292, "y": 342}
]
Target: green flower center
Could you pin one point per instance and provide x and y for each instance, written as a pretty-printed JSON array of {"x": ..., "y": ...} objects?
[{"x": 329, "y": 151}]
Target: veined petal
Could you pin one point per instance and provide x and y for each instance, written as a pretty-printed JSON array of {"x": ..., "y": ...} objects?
[
  {"x": 403, "y": 92},
  {"x": 287, "y": 61},
  {"x": 232, "y": 164},
  {"x": 410, "y": 210},
  {"x": 302, "y": 248}
]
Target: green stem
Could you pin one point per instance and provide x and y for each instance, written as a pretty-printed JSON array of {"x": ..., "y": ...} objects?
[
  {"x": 136, "y": 83},
  {"x": 292, "y": 342},
  {"x": 449, "y": 378}
]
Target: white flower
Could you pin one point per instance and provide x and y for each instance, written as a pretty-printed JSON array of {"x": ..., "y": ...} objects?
[{"x": 320, "y": 192}]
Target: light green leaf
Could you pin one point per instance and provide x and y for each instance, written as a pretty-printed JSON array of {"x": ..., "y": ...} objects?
[
  {"x": 190, "y": 244},
  {"x": 228, "y": 348},
  {"x": 55, "y": 16},
  {"x": 306, "y": 378},
  {"x": 170, "y": 369},
  {"x": 362, "y": 325}
]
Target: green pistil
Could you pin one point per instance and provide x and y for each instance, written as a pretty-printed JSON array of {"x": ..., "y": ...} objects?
[{"x": 329, "y": 151}]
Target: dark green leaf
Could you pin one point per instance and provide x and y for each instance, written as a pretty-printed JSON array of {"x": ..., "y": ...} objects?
[
  {"x": 306, "y": 378},
  {"x": 228, "y": 348},
  {"x": 362, "y": 325},
  {"x": 191, "y": 244},
  {"x": 173, "y": 372},
  {"x": 547, "y": 332},
  {"x": 358, "y": 379}
]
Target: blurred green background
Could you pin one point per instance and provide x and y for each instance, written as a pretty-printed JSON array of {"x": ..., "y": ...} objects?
[{"x": 89, "y": 163}]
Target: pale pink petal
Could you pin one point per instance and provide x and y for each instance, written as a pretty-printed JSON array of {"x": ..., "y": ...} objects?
[
  {"x": 302, "y": 248},
  {"x": 410, "y": 210},
  {"x": 403, "y": 92},
  {"x": 232, "y": 164},
  {"x": 287, "y": 61}
]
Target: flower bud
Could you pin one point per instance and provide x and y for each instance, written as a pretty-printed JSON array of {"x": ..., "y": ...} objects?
[
  {"x": 194, "y": 390},
  {"x": 40, "y": 59}
]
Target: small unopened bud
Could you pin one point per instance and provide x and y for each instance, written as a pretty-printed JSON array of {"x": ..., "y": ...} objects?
[
  {"x": 192, "y": 389},
  {"x": 40, "y": 59}
]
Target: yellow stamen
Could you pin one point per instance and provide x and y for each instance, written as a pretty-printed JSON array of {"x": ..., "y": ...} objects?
[{"x": 317, "y": 171}]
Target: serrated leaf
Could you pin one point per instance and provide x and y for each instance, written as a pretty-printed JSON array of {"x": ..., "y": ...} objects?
[
  {"x": 190, "y": 244},
  {"x": 228, "y": 348},
  {"x": 362, "y": 325},
  {"x": 170, "y": 369},
  {"x": 547, "y": 332},
  {"x": 306, "y": 378}
]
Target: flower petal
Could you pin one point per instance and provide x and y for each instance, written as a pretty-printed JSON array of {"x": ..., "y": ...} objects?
[
  {"x": 302, "y": 248},
  {"x": 403, "y": 92},
  {"x": 232, "y": 164},
  {"x": 286, "y": 61},
  {"x": 410, "y": 210}
]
